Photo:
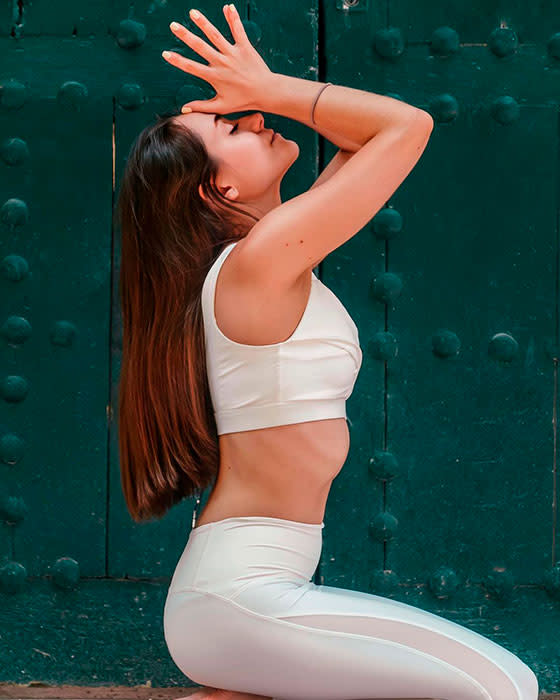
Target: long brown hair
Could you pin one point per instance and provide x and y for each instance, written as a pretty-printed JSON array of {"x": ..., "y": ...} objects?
[{"x": 168, "y": 442}]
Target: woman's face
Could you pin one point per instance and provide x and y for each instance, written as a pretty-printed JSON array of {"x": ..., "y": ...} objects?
[{"x": 251, "y": 166}]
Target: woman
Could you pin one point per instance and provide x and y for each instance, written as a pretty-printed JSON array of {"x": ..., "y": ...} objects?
[{"x": 237, "y": 363}]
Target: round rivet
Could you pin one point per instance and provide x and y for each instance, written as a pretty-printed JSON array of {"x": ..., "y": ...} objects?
[
  {"x": 13, "y": 388},
  {"x": 14, "y": 268},
  {"x": 65, "y": 573},
  {"x": 12, "y": 448},
  {"x": 12, "y": 509},
  {"x": 383, "y": 465},
  {"x": 503, "y": 42},
  {"x": 383, "y": 346},
  {"x": 445, "y": 343},
  {"x": 443, "y": 582},
  {"x": 386, "y": 287},
  {"x": 499, "y": 583},
  {"x": 12, "y": 577},
  {"x": 14, "y": 151},
  {"x": 387, "y": 224},
  {"x": 130, "y": 96},
  {"x": 63, "y": 333},
  {"x": 505, "y": 110},
  {"x": 444, "y": 41},
  {"x": 72, "y": 94},
  {"x": 13, "y": 94},
  {"x": 444, "y": 108},
  {"x": 503, "y": 347},
  {"x": 14, "y": 214},
  {"x": 388, "y": 42},
  {"x": 130, "y": 34},
  {"x": 384, "y": 582},
  {"x": 383, "y": 527},
  {"x": 15, "y": 330}
]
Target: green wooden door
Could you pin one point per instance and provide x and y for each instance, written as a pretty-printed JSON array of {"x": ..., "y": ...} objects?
[{"x": 448, "y": 497}]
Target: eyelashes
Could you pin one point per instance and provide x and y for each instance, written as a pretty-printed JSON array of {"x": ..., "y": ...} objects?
[{"x": 234, "y": 128}]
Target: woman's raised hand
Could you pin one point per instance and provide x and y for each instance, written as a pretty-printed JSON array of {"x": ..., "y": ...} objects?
[{"x": 236, "y": 71}]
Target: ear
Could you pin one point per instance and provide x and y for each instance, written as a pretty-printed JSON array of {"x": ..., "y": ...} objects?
[{"x": 228, "y": 191}]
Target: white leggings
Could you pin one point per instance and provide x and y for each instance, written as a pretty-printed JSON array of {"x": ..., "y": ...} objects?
[{"x": 242, "y": 614}]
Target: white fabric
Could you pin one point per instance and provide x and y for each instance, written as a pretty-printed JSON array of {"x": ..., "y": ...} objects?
[
  {"x": 242, "y": 614},
  {"x": 307, "y": 377}
]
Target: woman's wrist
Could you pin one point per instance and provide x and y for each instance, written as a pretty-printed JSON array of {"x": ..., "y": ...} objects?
[
  {"x": 276, "y": 100},
  {"x": 289, "y": 97}
]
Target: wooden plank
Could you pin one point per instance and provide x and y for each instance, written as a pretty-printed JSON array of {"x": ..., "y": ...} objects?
[{"x": 61, "y": 308}]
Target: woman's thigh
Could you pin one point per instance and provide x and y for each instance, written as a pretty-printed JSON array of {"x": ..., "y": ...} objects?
[{"x": 326, "y": 643}]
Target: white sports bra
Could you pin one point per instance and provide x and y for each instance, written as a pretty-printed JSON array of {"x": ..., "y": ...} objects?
[{"x": 307, "y": 377}]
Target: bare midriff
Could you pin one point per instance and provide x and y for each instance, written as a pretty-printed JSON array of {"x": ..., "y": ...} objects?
[{"x": 281, "y": 472}]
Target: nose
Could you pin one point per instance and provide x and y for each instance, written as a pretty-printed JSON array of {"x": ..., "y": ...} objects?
[
  {"x": 256, "y": 121},
  {"x": 259, "y": 120}
]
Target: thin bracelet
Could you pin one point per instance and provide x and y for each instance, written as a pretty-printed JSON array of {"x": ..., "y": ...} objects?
[{"x": 318, "y": 95}]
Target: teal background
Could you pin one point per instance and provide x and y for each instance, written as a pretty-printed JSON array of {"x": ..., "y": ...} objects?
[{"x": 449, "y": 496}]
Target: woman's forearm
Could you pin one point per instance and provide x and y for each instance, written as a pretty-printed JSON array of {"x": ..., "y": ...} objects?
[
  {"x": 335, "y": 137},
  {"x": 356, "y": 115}
]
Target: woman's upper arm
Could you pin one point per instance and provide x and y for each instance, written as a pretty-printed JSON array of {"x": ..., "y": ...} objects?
[
  {"x": 293, "y": 237},
  {"x": 335, "y": 164}
]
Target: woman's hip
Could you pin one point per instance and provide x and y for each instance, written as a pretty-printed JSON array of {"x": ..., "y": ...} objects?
[{"x": 228, "y": 556}]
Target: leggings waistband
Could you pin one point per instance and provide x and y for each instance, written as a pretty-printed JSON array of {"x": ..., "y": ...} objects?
[
  {"x": 220, "y": 555},
  {"x": 260, "y": 519}
]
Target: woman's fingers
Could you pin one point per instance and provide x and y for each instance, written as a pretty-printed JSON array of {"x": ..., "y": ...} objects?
[
  {"x": 185, "y": 64},
  {"x": 194, "y": 42},
  {"x": 211, "y": 32},
  {"x": 235, "y": 24}
]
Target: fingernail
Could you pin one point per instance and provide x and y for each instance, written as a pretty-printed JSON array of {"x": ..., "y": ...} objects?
[
  {"x": 195, "y": 14},
  {"x": 186, "y": 110},
  {"x": 166, "y": 54},
  {"x": 175, "y": 25},
  {"x": 232, "y": 6}
]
